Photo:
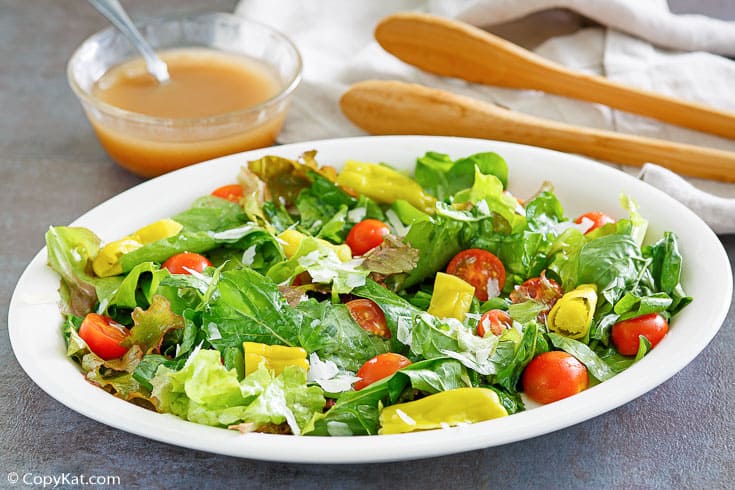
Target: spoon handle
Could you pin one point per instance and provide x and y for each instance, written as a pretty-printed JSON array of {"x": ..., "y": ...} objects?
[
  {"x": 392, "y": 107},
  {"x": 450, "y": 48},
  {"x": 113, "y": 11}
]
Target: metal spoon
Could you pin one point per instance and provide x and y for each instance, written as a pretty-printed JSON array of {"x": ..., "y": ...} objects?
[{"x": 114, "y": 12}]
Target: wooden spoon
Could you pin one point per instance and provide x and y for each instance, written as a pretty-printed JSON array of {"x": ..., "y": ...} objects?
[
  {"x": 449, "y": 48},
  {"x": 392, "y": 107}
]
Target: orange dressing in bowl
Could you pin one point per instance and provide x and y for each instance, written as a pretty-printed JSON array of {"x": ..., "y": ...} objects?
[{"x": 207, "y": 109}]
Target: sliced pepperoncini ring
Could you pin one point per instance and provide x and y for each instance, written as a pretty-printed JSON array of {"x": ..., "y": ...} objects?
[
  {"x": 572, "y": 314},
  {"x": 443, "y": 409}
]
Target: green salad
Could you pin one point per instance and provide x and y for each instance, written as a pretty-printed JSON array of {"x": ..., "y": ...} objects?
[{"x": 306, "y": 301}]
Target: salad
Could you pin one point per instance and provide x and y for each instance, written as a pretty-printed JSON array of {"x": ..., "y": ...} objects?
[{"x": 301, "y": 300}]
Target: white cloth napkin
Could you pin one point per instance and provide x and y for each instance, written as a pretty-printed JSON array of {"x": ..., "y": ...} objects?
[{"x": 335, "y": 39}]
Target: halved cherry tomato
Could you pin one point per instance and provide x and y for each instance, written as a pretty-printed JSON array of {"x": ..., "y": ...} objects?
[
  {"x": 369, "y": 316},
  {"x": 598, "y": 219},
  {"x": 103, "y": 336},
  {"x": 478, "y": 267},
  {"x": 541, "y": 289},
  {"x": 625, "y": 334},
  {"x": 179, "y": 263},
  {"x": 232, "y": 192},
  {"x": 366, "y": 235},
  {"x": 554, "y": 375},
  {"x": 379, "y": 367},
  {"x": 493, "y": 322}
]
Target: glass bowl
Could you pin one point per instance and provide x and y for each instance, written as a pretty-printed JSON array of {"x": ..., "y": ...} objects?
[{"x": 150, "y": 146}]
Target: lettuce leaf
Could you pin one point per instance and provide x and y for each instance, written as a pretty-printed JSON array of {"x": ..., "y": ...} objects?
[
  {"x": 136, "y": 290},
  {"x": 267, "y": 251},
  {"x": 206, "y": 392},
  {"x": 512, "y": 356},
  {"x": 666, "y": 268},
  {"x": 393, "y": 256},
  {"x": 596, "y": 366},
  {"x": 432, "y": 337},
  {"x": 249, "y": 307},
  {"x": 152, "y": 324},
  {"x": 442, "y": 177},
  {"x": 70, "y": 253},
  {"x": 209, "y": 213},
  {"x": 424, "y": 237},
  {"x": 323, "y": 265},
  {"x": 330, "y": 331},
  {"x": 399, "y": 313},
  {"x": 613, "y": 262}
]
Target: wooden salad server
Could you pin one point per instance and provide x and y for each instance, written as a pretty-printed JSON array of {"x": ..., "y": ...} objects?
[
  {"x": 392, "y": 107},
  {"x": 451, "y": 48}
]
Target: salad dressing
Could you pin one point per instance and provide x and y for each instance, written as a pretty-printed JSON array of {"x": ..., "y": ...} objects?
[{"x": 204, "y": 83}]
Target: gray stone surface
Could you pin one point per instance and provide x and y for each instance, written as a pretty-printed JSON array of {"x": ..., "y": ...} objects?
[{"x": 680, "y": 435}]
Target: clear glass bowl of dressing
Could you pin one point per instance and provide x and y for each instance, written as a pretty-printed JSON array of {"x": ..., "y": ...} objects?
[{"x": 231, "y": 81}]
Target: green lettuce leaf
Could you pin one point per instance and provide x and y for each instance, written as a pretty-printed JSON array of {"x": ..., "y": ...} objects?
[
  {"x": 249, "y": 307},
  {"x": 206, "y": 392},
  {"x": 424, "y": 237},
  {"x": 512, "y": 355},
  {"x": 399, "y": 313},
  {"x": 596, "y": 366},
  {"x": 209, "y": 213},
  {"x": 442, "y": 177},
  {"x": 431, "y": 337},
  {"x": 265, "y": 247},
  {"x": 613, "y": 263},
  {"x": 136, "y": 290},
  {"x": 666, "y": 269},
  {"x": 330, "y": 331},
  {"x": 70, "y": 253},
  {"x": 321, "y": 204},
  {"x": 323, "y": 265}
]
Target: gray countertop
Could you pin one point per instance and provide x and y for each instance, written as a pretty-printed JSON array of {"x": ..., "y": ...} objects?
[{"x": 52, "y": 169}]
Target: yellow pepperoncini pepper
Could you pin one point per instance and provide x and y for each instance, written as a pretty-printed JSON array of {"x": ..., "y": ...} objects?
[
  {"x": 384, "y": 184},
  {"x": 276, "y": 357},
  {"x": 446, "y": 408},
  {"x": 572, "y": 314},
  {"x": 291, "y": 240},
  {"x": 107, "y": 262},
  {"x": 451, "y": 298},
  {"x": 158, "y": 230}
]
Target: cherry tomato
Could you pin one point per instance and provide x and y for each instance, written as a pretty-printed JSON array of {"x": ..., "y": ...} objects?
[
  {"x": 554, "y": 375},
  {"x": 542, "y": 289},
  {"x": 379, "y": 367},
  {"x": 179, "y": 263},
  {"x": 366, "y": 235},
  {"x": 625, "y": 334},
  {"x": 598, "y": 219},
  {"x": 369, "y": 316},
  {"x": 493, "y": 322},
  {"x": 478, "y": 267},
  {"x": 103, "y": 336},
  {"x": 232, "y": 192}
]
